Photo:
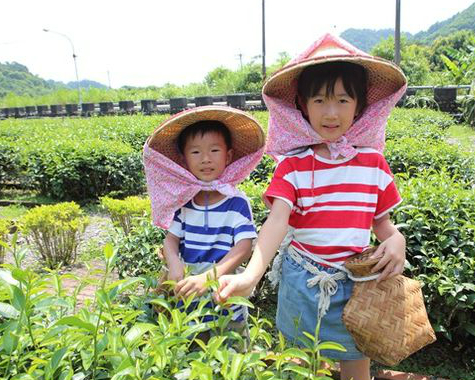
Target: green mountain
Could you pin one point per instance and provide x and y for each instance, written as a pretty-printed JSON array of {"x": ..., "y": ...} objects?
[
  {"x": 365, "y": 39},
  {"x": 16, "y": 78},
  {"x": 461, "y": 21}
]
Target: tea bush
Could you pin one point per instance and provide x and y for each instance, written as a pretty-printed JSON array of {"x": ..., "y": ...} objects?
[
  {"x": 437, "y": 218},
  {"x": 423, "y": 124},
  {"x": 54, "y": 232},
  {"x": 413, "y": 155},
  {"x": 4, "y": 231},
  {"x": 83, "y": 170},
  {"x": 137, "y": 249},
  {"x": 124, "y": 211},
  {"x": 116, "y": 336}
]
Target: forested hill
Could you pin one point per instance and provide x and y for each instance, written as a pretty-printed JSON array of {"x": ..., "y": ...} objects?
[
  {"x": 461, "y": 21},
  {"x": 16, "y": 78},
  {"x": 365, "y": 39}
]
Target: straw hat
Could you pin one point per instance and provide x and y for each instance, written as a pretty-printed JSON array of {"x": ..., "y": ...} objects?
[
  {"x": 384, "y": 77},
  {"x": 247, "y": 135}
]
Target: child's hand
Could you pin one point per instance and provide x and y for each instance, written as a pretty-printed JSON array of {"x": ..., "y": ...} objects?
[
  {"x": 393, "y": 255},
  {"x": 233, "y": 285},
  {"x": 192, "y": 284}
]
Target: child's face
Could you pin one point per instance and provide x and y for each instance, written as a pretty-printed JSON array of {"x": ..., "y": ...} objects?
[
  {"x": 207, "y": 155},
  {"x": 331, "y": 116}
]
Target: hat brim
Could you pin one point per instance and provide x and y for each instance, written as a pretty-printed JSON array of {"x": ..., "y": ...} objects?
[
  {"x": 384, "y": 77},
  {"x": 247, "y": 135}
]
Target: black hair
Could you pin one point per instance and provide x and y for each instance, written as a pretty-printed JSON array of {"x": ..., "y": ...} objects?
[
  {"x": 203, "y": 127},
  {"x": 353, "y": 76}
]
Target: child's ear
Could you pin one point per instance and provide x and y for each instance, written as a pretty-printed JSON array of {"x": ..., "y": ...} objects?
[{"x": 229, "y": 156}]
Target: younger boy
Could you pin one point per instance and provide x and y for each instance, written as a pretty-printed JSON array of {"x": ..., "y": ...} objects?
[{"x": 193, "y": 161}]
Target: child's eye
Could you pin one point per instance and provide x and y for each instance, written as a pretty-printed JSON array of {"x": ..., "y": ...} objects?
[
  {"x": 194, "y": 152},
  {"x": 318, "y": 101},
  {"x": 215, "y": 150}
]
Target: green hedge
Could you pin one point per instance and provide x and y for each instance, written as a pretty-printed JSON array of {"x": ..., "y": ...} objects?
[
  {"x": 437, "y": 218},
  {"x": 82, "y": 169},
  {"x": 413, "y": 155}
]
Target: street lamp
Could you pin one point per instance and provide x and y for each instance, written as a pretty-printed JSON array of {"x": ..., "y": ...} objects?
[{"x": 74, "y": 58}]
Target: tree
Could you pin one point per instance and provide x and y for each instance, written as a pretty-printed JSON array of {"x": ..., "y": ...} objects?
[
  {"x": 460, "y": 41},
  {"x": 414, "y": 59}
]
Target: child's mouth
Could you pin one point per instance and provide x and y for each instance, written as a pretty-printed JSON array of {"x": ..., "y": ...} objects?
[{"x": 331, "y": 126}]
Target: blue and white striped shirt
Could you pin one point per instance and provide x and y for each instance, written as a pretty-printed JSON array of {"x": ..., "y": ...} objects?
[{"x": 207, "y": 234}]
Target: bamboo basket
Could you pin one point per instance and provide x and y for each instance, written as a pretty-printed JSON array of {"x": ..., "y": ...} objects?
[{"x": 388, "y": 321}]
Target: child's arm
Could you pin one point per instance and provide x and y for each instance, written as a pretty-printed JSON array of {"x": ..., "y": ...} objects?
[
  {"x": 228, "y": 264},
  {"x": 392, "y": 248},
  {"x": 270, "y": 237},
  {"x": 176, "y": 267}
]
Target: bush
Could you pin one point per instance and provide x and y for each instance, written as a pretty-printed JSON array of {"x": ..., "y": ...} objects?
[
  {"x": 416, "y": 101},
  {"x": 413, "y": 156},
  {"x": 137, "y": 251},
  {"x": 264, "y": 170},
  {"x": 124, "y": 211},
  {"x": 117, "y": 336},
  {"x": 4, "y": 231},
  {"x": 254, "y": 192},
  {"x": 73, "y": 170},
  {"x": 54, "y": 232},
  {"x": 437, "y": 218},
  {"x": 423, "y": 124},
  {"x": 468, "y": 109}
]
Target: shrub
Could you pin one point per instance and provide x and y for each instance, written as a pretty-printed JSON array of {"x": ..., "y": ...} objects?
[
  {"x": 413, "y": 156},
  {"x": 116, "y": 336},
  {"x": 83, "y": 170},
  {"x": 415, "y": 101},
  {"x": 264, "y": 170},
  {"x": 254, "y": 192},
  {"x": 468, "y": 109},
  {"x": 137, "y": 251},
  {"x": 123, "y": 211},
  {"x": 54, "y": 231},
  {"x": 4, "y": 230},
  {"x": 423, "y": 124},
  {"x": 437, "y": 218}
]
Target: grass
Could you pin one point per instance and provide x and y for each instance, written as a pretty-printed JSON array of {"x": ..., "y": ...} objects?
[
  {"x": 22, "y": 195},
  {"x": 440, "y": 359},
  {"x": 12, "y": 212},
  {"x": 464, "y": 135}
]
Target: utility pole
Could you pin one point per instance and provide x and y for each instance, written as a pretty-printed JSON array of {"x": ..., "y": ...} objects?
[
  {"x": 240, "y": 60},
  {"x": 397, "y": 34},
  {"x": 74, "y": 58},
  {"x": 263, "y": 40}
]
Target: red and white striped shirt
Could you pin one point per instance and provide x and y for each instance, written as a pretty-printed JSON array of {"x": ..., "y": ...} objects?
[{"x": 334, "y": 202}]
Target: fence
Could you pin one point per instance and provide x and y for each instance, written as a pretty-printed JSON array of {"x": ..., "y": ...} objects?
[{"x": 444, "y": 96}]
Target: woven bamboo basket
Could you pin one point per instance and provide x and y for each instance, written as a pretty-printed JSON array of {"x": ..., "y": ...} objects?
[{"x": 388, "y": 321}]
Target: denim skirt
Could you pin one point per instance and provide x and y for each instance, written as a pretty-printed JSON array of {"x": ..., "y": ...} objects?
[{"x": 297, "y": 310}]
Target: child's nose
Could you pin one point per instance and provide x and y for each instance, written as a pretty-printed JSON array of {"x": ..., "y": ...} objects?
[{"x": 330, "y": 110}]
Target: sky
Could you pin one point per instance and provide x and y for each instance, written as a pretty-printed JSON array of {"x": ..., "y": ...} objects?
[{"x": 145, "y": 42}]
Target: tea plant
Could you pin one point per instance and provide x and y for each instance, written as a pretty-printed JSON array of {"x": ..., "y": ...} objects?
[{"x": 117, "y": 336}]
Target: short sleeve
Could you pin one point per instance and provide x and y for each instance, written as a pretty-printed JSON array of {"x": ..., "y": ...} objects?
[
  {"x": 280, "y": 186},
  {"x": 244, "y": 227},
  {"x": 388, "y": 194},
  {"x": 176, "y": 228}
]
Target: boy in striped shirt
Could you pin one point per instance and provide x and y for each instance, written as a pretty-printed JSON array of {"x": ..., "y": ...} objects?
[{"x": 212, "y": 230}]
